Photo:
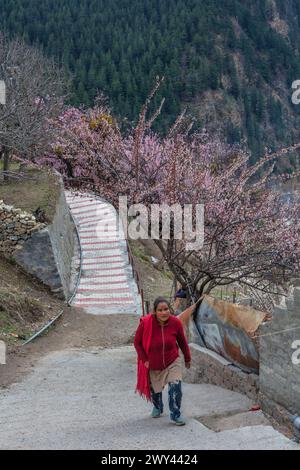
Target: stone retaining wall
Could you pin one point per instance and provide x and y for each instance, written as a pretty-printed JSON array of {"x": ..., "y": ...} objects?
[
  {"x": 63, "y": 239},
  {"x": 209, "y": 367},
  {"x": 277, "y": 387},
  {"x": 46, "y": 252},
  {"x": 16, "y": 227},
  {"x": 279, "y": 361}
]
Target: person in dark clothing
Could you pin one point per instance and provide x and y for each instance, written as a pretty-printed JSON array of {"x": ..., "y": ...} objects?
[{"x": 180, "y": 300}]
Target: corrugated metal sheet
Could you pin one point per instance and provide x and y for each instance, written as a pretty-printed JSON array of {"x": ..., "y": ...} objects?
[{"x": 227, "y": 328}]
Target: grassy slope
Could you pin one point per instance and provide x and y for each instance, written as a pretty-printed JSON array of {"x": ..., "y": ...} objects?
[
  {"x": 25, "y": 304},
  {"x": 154, "y": 282},
  {"x": 41, "y": 190}
]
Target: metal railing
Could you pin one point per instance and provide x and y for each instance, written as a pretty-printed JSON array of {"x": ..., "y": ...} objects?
[
  {"x": 71, "y": 298},
  {"x": 136, "y": 276}
]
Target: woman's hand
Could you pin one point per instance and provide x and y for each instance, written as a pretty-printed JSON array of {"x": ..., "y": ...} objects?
[
  {"x": 188, "y": 365},
  {"x": 146, "y": 364}
]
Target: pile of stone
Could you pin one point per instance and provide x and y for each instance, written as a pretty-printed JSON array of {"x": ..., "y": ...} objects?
[{"x": 16, "y": 226}]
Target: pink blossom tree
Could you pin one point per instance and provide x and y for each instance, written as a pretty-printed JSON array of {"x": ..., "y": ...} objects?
[{"x": 251, "y": 236}]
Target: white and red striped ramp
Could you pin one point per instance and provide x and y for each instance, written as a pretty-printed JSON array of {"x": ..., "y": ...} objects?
[{"x": 106, "y": 284}]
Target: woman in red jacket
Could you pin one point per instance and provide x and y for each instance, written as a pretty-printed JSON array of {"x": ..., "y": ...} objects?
[{"x": 156, "y": 342}]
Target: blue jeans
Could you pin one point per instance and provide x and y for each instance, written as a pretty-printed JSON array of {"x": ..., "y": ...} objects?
[{"x": 175, "y": 396}]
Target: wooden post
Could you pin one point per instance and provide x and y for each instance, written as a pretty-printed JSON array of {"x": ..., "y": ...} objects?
[
  {"x": 234, "y": 295},
  {"x": 5, "y": 164}
]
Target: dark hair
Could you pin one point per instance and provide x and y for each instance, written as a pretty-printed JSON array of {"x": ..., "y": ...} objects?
[{"x": 160, "y": 300}]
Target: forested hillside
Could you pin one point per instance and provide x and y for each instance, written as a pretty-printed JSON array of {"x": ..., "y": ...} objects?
[{"x": 231, "y": 62}]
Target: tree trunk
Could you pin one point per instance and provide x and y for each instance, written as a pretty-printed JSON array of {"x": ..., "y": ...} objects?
[{"x": 5, "y": 163}]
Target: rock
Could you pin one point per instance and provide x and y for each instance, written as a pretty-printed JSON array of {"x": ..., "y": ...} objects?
[
  {"x": 18, "y": 246},
  {"x": 15, "y": 227}
]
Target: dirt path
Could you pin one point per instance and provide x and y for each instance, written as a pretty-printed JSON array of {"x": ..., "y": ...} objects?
[{"x": 75, "y": 329}]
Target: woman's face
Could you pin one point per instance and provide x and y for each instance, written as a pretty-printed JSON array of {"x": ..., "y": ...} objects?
[{"x": 162, "y": 312}]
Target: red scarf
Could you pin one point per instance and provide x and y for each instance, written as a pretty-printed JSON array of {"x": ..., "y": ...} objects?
[{"x": 143, "y": 376}]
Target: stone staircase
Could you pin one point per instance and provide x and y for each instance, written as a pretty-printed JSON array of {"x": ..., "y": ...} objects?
[{"x": 106, "y": 285}]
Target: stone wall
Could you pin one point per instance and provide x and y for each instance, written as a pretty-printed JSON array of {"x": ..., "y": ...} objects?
[
  {"x": 209, "y": 367},
  {"x": 16, "y": 227},
  {"x": 279, "y": 377},
  {"x": 37, "y": 258},
  {"x": 63, "y": 237},
  {"x": 46, "y": 252},
  {"x": 277, "y": 387}
]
